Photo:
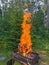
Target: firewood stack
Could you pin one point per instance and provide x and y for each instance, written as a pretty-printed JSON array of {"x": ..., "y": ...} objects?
[{"x": 33, "y": 60}]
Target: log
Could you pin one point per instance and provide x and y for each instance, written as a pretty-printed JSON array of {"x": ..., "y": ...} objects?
[{"x": 24, "y": 60}]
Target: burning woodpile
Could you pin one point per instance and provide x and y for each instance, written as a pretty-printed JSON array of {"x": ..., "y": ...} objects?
[{"x": 25, "y": 55}]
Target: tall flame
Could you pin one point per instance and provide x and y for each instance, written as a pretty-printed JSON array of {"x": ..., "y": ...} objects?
[{"x": 25, "y": 45}]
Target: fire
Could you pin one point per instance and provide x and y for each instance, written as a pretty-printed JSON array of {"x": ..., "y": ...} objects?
[{"x": 25, "y": 45}]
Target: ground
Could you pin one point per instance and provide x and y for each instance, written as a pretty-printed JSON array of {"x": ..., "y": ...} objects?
[{"x": 44, "y": 57}]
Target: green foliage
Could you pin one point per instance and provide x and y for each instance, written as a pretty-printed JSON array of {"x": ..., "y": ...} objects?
[
  {"x": 45, "y": 8},
  {"x": 38, "y": 23},
  {"x": 39, "y": 33},
  {"x": 45, "y": 1},
  {"x": 0, "y": 12},
  {"x": 16, "y": 63},
  {"x": 10, "y": 28}
]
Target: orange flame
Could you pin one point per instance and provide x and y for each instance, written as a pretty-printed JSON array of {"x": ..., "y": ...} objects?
[{"x": 25, "y": 45}]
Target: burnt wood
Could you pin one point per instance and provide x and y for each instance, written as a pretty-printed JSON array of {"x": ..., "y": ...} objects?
[{"x": 24, "y": 60}]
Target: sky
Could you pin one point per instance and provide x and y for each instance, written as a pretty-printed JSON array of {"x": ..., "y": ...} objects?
[{"x": 1, "y": 2}]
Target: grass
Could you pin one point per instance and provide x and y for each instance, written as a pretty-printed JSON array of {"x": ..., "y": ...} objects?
[
  {"x": 44, "y": 54},
  {"x": 44, "y": 60},
  {"x": 40, "y": 46},
  {"x": 16, "y": 63},
  {"x": 6, "y": 54}
]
